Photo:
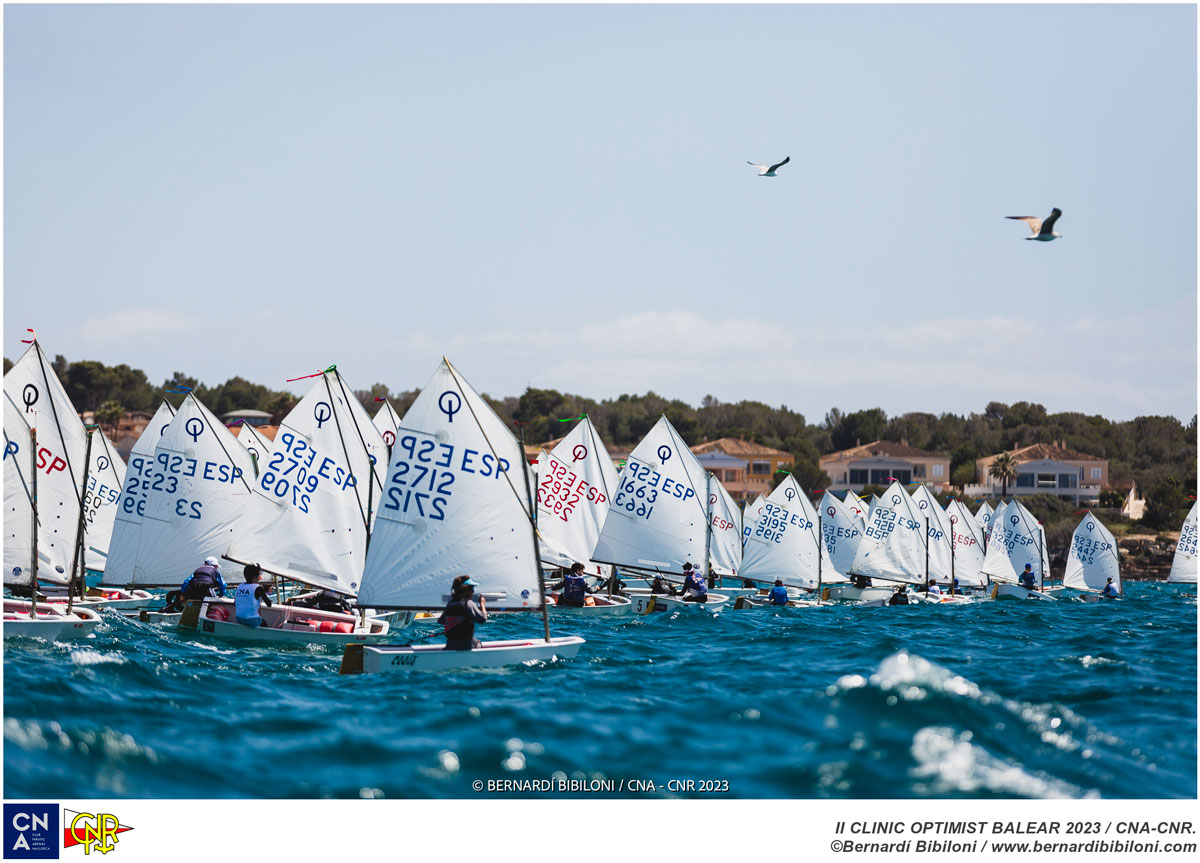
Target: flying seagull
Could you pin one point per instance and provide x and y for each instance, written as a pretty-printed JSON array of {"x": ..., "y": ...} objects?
[
  {"x": 764, "y": 171},
  {"x": 1043, "y": 231}
]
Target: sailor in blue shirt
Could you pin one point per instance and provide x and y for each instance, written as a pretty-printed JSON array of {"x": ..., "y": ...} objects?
[
  {"x": 1027, "y": 580},
  {"x": 694, "y": 589},
  {"x": 778, "y": 594},
  {"x": 1110, "y": 590},
  {"x": 573, "y": 586}
]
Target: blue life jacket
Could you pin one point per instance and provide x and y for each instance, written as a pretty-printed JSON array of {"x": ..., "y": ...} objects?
[
  {"x": 1027, "y": 581},
  {"x": 1109, "y": 590},
  {"x": 245, "y": 603},
  {"x": 778, "y": 595},
  {"x": 574, "y": 587},
  {"x": 695, "y": 584}
]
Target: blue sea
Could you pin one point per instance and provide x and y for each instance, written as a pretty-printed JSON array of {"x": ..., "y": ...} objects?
[{"x": 993, "y": 699}]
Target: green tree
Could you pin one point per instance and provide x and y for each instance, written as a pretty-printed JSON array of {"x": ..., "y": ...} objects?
[{"x": 110, "y": 412}]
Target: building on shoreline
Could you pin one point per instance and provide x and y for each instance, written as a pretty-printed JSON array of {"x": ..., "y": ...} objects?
[
  {"x": 1045, "y": 468},
  {"x": 883, "y": 461}
]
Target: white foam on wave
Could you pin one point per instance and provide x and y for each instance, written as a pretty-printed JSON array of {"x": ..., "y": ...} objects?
[
  {"x": 953, "y": 764},
  {"x": 95, "y": 657}
]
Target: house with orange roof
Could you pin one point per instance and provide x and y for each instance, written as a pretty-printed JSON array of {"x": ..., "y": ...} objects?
[
  {"x": 1045, "y": 468},
  {"x": 744, "y": 467},
  {"x": 882, "y": 461}
]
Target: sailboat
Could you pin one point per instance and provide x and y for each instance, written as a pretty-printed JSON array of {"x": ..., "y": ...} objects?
[
  {"x": 1016, "y": 539},
  {"x": 750, "y": 516},
  {"x": 106, "y": 477},
  {"x": 24, "y": 553},
  {"x": 455, "y": 502},
  {"x": 842, "y": 529},
  {"x": 856, "y": 505},
  {"x": 659, "y": 518},
  {"x": 786, "y": 545},
  {"x": 983, "y": 516},
  {"x": 66, "y": 455},
  {"x": 575, "y": 486},
  {"x": 308, "y": 518},
  {"x": 894, "y": 545},
  {"x": 725, "y": 525},
  {"x": 968, "y": 541},
  {"x": 1093, "y": 560},
  {"x": 1183, "y": 567}
]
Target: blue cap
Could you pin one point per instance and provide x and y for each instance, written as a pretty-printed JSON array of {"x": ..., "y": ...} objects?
[{"x": 470, "y": 583}]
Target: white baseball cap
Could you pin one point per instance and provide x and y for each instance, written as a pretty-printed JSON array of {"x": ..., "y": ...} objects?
[{"x": 211, "y": 561}]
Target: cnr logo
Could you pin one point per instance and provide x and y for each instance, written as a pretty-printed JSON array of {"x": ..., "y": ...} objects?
[{"x": 98, "y": 832}]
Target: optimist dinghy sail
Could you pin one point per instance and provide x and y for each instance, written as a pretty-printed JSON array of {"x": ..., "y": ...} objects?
[
  {"x": 751, "y": 515},
  {"x": 575, "y": 486},
  {"x": 968, "y": 545},
  {"x": 856, "y": 506},
  {"x": 386, "y": 420},
  {"x": 940, "y": 550},
  {"x": 131, "y": 505},
  {"x": 658, "y": 515},
  {"x": 196, "y": 492},
  {"x": 983, "y": 516},
  {"x": 257, "y": 445},
  {"x": 62, "y": 444},
  {"x": 785, "y": 545},
  {"x": 1183, "y": 567},
  {"x": 1016, "y": 539},
  {"x": 311, "y": 510},
  {"x": 18, "y": 507},
  {"x": 455, "y": 502},
  {"x": 725, "y": 547},
  {"x": 1093, "y": 557},
  {"x": 843, "y": 530},
  {"x": 893, "y": 543},
  {"x": 106, "y": 478}
]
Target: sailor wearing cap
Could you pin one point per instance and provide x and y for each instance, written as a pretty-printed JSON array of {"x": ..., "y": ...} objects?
[
  {"x": 461, "y": 614},
  {"x": 205, "y": 581}
]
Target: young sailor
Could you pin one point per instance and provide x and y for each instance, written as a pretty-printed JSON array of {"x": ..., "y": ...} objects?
[
  {"x": 1027, "y": 578},
  {"x": 1109, "y": 590},
  {"x": 933, "y": 589},
  {"x": 574, "y": 588},
  {"x": 778, "y": 594},
  {"x": 249, "y": 596},
  {"x": 900, "y": 597},
  {"x": 661, "y": 586},
  {"x": 206, "y": 581},
  {"x": 694, "y": 589},
  {"x": 461, "y": 615}
]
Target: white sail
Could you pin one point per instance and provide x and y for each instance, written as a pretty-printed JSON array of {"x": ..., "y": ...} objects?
[
  {"x": 968, "y": 545},
  {"x": 983, "y": 516},
  {"x": 856, "y": 506},
  {"x": 1093, "y": 557},
  {"x": 18, "y": 503},
  {"x": 784, "y": 545},
  {"x": 386, "y": 420},
  {"x": 725, "y": 545},
  {"x": 658, "y": 514},
  {"x": 106, "y": 478},
  {"x": 131, "y": 504},
  {"x": 312, "y": 506},
  {"x": 62, "y": 443},
  {"x": 843, "y": 530},
  {"x": 575, "y": 486},
  {"x": 1016, "y": 539},
  {"x": 1183, "y": 567},
  {"x": 750, "y": 516},
  {"x": 197, "y": 490},
  {"x": 257, "y": 445},
  {"x": 940, "y": 550},
  {"x": 455, "y": 503},
  {"x": 893, "y": 543}
]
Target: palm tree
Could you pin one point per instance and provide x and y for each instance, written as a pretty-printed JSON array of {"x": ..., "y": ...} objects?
[
  {"x": 111, "y": 411},
  {"x": 1003, "y": 468}
]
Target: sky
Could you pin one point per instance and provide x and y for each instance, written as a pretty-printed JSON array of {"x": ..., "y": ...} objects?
[{"x": 558, "y": 197}]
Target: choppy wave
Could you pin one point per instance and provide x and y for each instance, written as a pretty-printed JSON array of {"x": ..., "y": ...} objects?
[{"x": 987, "y": 700}]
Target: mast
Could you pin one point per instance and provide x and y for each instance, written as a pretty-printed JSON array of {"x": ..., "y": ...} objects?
[
  {"x": 77, "y": 557},
  {"x": 926, "y": 552},
  {"x": 708, "y": 579},
  {"x": 820, "y": 548},
  {"x": 33, "y": 563},
  {"x": 952, "y": 557},
  {"x": 1041, "y": 557},
  {"x": 533, "y": 531}
]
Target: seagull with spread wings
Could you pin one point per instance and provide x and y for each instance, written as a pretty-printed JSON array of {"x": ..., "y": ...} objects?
[
  {"x": 1042, "y": 230},
  {"x": 764, "y": 171}
]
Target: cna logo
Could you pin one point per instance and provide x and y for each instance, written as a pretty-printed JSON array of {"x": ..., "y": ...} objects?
[
  {"x": 30, "y": 831},
  {"x": 93, "y": 832}
]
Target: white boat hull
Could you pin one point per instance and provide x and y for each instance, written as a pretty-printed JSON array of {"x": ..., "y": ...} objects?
[
  {"x": 51, "y": 624},
  {"x": 282, "y": 625},
  {"x": 850, "y": 593},
  {"x": 103, "y": 597},
  {"x": 372, "y": 659},
  {"x": 644, "y": 603},
  {"x": 605, "y": 606},
  {"x": 1003, "y": 590},
  {"x": 746, "y": 602}
]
